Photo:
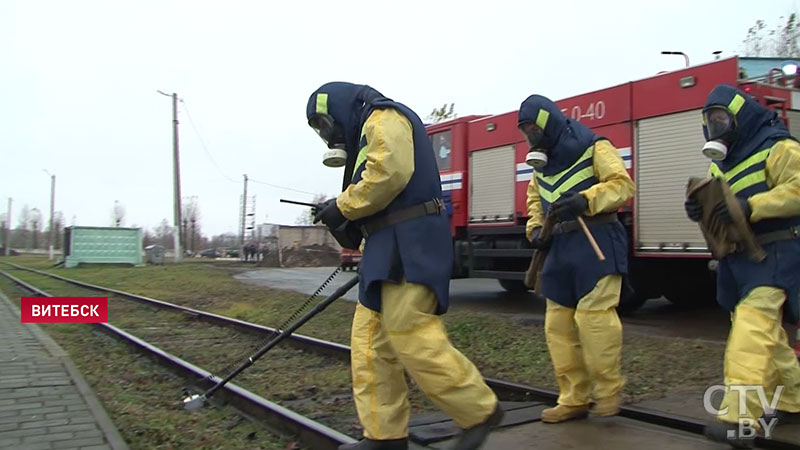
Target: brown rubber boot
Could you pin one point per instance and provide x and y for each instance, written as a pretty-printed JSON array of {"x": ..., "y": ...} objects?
[
  {"x": 606, "y": 407},
  {"x": 562, "y": 413}
]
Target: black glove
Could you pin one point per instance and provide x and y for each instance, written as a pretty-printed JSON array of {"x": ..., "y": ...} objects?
[
  {"x": 329, "y": 214},
  {"x": 694, "y": 210},
  {"x": 724, "y": 213},
  {"x": 569, "y": 206},
  {"x": 537, "y": 242}
]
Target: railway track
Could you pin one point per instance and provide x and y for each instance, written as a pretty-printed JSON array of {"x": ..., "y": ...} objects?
[{"x": 505, "y": 390}]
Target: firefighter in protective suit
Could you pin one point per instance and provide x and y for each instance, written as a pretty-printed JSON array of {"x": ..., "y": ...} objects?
[
  {"x": 755, "y": 154},
  {"x": 392, "y": 193},
  {"x": 577, "y": 174}
]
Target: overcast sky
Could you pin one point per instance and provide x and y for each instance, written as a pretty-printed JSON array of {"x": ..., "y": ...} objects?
[{"x": 78, "y": 83}]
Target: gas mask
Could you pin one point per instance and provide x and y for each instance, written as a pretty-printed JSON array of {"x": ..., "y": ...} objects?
[
  {"x": 721, "y": 132},
  {"x": 537, "y": 156},
  {"x": 332, "y": 134}
]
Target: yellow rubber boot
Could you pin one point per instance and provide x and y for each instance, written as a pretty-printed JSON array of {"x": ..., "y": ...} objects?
[
  {"x": 562, "y": 413},
  {"x": 606, "y": 407}
]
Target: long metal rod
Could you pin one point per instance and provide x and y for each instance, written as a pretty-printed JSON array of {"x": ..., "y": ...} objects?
[
  {"x": 283, "y": 200},
  {"x": 338, "y": 293}
]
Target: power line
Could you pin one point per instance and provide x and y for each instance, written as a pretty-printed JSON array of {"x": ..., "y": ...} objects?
[
  {"x": 205, "y": 148},
  {"x": 214, "y": 163},
  {"x": 282, "y": 187}
]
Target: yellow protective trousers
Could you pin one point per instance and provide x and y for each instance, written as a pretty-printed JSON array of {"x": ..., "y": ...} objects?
[
  {"x": 758, "y": 354},
  {"x": 407, "y": 334},
  {"x": 586, "y": 344}
]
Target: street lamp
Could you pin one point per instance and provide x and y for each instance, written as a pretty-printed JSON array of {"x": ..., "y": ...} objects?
[
  {"x": 686, "y": 58},
  {"x": 52, "y": 210}
]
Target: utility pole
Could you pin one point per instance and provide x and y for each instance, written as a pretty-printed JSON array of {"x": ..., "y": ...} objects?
[
  {"x": 244, "y": 215},
  {"x": 8, "y": 229},
  {"x": 177, "y": 176},
  {"x": 52, "y": 211}
]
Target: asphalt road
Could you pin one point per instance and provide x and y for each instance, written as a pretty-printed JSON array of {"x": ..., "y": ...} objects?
[{"x": 657, "y": 316}]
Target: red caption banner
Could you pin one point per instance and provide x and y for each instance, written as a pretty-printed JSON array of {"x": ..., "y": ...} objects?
[{"x": 64, "y": 309}]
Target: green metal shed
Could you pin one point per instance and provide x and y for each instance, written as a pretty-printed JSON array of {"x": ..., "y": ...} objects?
[{"x": 102, "y": 245}]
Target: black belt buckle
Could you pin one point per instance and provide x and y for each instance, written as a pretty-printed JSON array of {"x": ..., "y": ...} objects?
[
  {"x": 794, "y": 232},
  {"x": 436, "y": 204}
]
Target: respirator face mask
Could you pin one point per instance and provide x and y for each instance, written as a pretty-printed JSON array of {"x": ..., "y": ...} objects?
[
  {"x": 537, "y": 157},
  {"x": 721, "y": 129},
  {"x": 333, "y": 135}
]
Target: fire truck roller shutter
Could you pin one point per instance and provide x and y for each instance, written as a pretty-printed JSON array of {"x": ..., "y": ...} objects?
[
  {"x": 492, "y": 182},
  {"x": 668, "y": 152}
]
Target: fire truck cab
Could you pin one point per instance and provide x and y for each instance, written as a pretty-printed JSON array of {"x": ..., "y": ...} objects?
[{"x": 655, "y": 123}]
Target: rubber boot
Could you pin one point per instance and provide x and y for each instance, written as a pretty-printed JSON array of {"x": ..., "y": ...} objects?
[
  {"x": 473, "y": 438},
  {"x": 371, "y": 444},
  {"x": 606, "y": 407},
  {"x": 728, "y": 433},
  {"x": 562, "y": 413}
]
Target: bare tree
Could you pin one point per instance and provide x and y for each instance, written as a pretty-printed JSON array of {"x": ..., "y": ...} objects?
[
  {"x": 36, "y": 226},
  {"x": 6, "y": 236},
  {"x": 443, "y": 113},
  {"x": 164, "y": 234},
  {"x": 191, "y": 223},
  {"x": 21, "y": 234},
  {"x": 781, "y": 41},
  {"x": 788, "y": 37},
  {"x": 58, "y": 224},
  {"x": 148, "y": 237},
  {"x": 117, "y": 214}
]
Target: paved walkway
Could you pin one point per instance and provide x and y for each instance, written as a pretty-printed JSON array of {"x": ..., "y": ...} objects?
[{"x": 44, "y": 401}]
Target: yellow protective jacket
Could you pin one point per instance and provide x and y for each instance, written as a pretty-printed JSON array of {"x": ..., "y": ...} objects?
[
  {"x": 395, "y": 169},
  {"x": 389, "y": 158},
  {"x": 613, "y": 189}
]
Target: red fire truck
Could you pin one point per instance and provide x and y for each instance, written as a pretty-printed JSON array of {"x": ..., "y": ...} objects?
[{"x": 656, "y": 125}]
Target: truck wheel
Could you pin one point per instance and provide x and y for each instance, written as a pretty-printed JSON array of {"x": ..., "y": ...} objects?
[{"x": 514, "y": 286}]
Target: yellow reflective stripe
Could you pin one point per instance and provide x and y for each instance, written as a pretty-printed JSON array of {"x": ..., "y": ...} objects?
[
  {"x": 736, "y": 104},
  {"x": 754, "y": 159},
  {"x": 573, "y": 181},
  {"x": 749, "y": 180},
  {"x": 553, "y": 179},
  {"x": 547, "y": 195},
  {"x": 322, "y": 103},
  {"x": 714, "y": 170},
  {"x": 541, "y": 118},
  {"x": 362, "y": 156}
]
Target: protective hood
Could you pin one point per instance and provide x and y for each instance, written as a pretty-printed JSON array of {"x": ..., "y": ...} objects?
[
  {"x": 565, "y": 140},
  {"x": 347, "y": 104},
  {"x": 755, "y": 125}
]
